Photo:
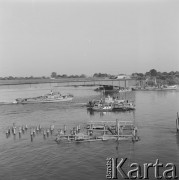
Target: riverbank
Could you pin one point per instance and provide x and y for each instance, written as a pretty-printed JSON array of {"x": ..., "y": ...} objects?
[
  {"x": 59, "y": 80},
  {"x": 40, "y": 81}
]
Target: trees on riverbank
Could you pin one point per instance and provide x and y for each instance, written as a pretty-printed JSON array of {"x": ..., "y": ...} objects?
[
  {"x": 151, "y": 76},
  {"x": 169, "y": 78}
]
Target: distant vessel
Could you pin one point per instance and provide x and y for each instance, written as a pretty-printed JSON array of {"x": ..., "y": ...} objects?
[
  {"x": 125, "y": 90},
  {"x": 154, "y": 88},
  {"x": 174, "y": 87},
  {"x": 47, "y": 98}
]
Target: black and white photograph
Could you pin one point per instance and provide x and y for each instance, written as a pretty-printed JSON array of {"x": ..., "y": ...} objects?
[{"x": 89, "y": 89}]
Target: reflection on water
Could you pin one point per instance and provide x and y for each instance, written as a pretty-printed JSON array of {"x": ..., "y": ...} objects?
[
  {"x": 21, "y": 158},
  {"x": 100, "y": 113},
  {"x": 128, "y": 95}
]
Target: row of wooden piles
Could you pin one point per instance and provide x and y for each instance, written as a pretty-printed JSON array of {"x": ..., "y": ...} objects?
[{"x": 36, "y": 130}]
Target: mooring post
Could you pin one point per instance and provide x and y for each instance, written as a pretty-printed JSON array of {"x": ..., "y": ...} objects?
[
  {"x": 20, "y": 131},
  {"x": 91, "y": 126},
  {"x": 14, "y": 131},
  {"x": 26, "y": 127},
  {"x": 104, "y": 130},
  {"x": 40, "y": 128},
  {"x": 117, "y": 130},
  {"x": 23, "y": 129},
  {"x": 44, "y": 133},
  {"x": 135, "y": 137},
  {"x": 7, "y": 133},
  {"x": 116, "y": 127},
  {"x": 79, "y": 128},
  {"x": 65, "y": 129},
  {"x": 31, "y": 135},
  {"x": 177, "y": 122},
  {"x": 121, "y": 129},
  {"x": 48, "y": 132}
]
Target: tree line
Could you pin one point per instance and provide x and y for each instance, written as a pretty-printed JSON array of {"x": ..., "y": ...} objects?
[
  {"x": 170, "y": 78},
  {"x": 55, "y": 75},
  {"x": 157, "y": 74}
]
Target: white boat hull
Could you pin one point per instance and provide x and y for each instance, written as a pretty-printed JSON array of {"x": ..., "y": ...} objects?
[
  {"x": 170, "y": 88},
  {"x": 49, "y": 98},
  {"x": 46, "y": 101}
]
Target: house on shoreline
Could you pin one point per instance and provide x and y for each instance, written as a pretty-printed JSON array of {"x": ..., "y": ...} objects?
[{"x": 123, "y": 76}]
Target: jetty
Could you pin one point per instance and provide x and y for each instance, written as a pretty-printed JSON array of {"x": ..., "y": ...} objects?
[
  {"x": 101, "y": 130},
  {"x": 91, "y": 131}
]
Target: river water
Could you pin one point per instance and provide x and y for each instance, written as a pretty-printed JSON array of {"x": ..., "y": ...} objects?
[{"x": 23, "y": 159}]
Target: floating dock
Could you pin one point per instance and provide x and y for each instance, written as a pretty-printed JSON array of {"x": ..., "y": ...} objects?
[{"x": 101, "y": 130}]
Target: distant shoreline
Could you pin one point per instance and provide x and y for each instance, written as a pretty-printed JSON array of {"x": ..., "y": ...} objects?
[
  {"x": 36, "y": 81},
  {"x": 60, "y": 80},
  {"x": 63, "y": 80}
]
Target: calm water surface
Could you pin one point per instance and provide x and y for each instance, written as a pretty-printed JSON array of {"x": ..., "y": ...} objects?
[{"x": 21, "y": 159}]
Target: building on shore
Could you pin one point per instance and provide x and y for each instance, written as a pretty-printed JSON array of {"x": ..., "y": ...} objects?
[{"x": 123, "y": 76}]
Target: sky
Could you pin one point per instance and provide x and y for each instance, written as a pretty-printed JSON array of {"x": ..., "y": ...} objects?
[{"x": 86, "y": 37}]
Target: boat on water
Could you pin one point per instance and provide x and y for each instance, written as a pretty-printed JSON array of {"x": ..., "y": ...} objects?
[
  {"x": 102, "y": 107},
  {"x": 112, "y": 100},
  {"x": 125, "y": 106},
  {"x": 174, "y": 87},
  {"x": 125, "y": 90},
  {"x": 110, "y": 104},
  {"x": 91, "y": 104},
  {"x": 99, "y": 103},
  {"x": 47, "y": 98},
  {"x": 157, "y": 88}
]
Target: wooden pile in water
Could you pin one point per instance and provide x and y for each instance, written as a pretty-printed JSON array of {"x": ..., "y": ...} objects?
[
  {"x": 177, "y": 123},
  {"x": 33, "y": 130}
]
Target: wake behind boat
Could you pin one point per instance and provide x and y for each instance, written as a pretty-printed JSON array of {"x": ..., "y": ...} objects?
[{"x": 47, "y": 98}]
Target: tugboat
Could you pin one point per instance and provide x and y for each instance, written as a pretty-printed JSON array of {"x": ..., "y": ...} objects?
[
  {"x": 110, "y": 104},
  {"x": 102, "y": 107},
  {"x": 123, "y": 106},
  {"x": 47, "y": 98}
]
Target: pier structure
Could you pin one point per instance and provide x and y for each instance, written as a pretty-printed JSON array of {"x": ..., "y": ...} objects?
[
  {"x": 118, "y": 130},
  {"x": 101, "y": 130},
  {"x": 93, "y": 131}
]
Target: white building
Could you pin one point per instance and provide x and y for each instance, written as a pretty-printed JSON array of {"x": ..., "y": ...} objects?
[{"x": 123, "y": 76}]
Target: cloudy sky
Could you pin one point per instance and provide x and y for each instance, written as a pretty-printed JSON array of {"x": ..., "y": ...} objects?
[{"x": 83, "y": 37}]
